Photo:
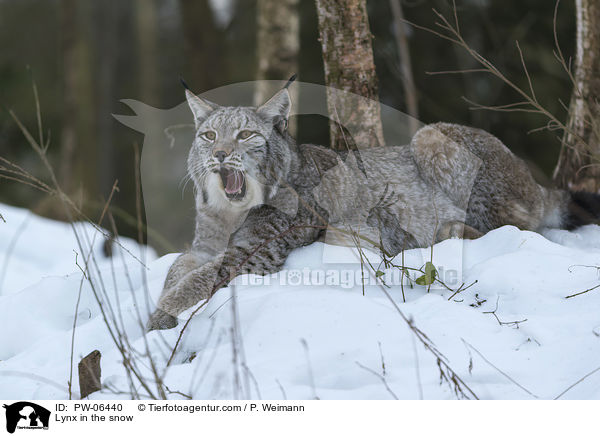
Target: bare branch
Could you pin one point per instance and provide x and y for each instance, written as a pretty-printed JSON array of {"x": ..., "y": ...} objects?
[
  {"x": 380, "y": 377},
  {"x": 534, "y": 98},
  {"x": 577, "y": 382},
  {"x": 583, "y": 292},
  {"x": 498, "y": 369}
]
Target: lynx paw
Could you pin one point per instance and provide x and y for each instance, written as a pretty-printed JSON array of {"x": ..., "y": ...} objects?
[
  {"x": 161, "y": 320},
  {"x": 456, "y": 229}
]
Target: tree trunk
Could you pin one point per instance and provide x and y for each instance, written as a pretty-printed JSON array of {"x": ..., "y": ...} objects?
[
  {"x": 68, "y": 135},
  {"x": 204, "y": 45},
  {"x": 408, "y": 83},
  {"x": 147, "y": 26},
  {"x": 578, "y": 166},
  {"x": 348, "y": 61},
  {"x": 108, "y": 16},
  {"x": 278, "y": 42}
]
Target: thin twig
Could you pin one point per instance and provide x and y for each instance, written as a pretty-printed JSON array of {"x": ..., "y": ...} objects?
[
  {"x": 281, "y": 388},
  {"x": 380, "y": 377},
  {"x": 11, "y": 246},
  {"x": 498, "y": 369},
  {"x": 493, "y": 312},
  {"x": 583, "y": 292},
  {"x": 577, "y": 382},
  {"x": 311, "y": 377}
]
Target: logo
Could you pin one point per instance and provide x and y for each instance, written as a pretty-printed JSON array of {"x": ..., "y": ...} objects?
[{"x": 25, "y": 415}]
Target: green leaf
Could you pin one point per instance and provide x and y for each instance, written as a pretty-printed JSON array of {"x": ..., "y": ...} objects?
[
  {"x": 429, "y": 277},
  {"x": 379, "y": 273},
  {"x": 430, "y": 270}
]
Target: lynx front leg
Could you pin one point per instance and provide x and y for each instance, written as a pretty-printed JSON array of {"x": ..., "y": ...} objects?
[
  {"x": 188, "y": 281},
  {"x": 260, "y": 246}
]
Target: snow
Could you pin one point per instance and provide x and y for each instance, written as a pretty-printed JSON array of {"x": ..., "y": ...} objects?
[{"x": 308, "y": 331}]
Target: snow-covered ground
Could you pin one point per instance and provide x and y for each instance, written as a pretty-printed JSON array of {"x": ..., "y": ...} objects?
[{"x": 309, "y": 332}]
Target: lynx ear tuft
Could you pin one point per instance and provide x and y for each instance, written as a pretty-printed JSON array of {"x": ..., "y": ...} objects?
[
  {"x": 200, "y": 108},
  {"x": 290, "y": 81},
  {"x": 183, "y": 83},
  {"x": 277, "y": 108}
]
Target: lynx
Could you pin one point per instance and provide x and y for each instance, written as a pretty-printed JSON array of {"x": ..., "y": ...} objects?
[{"x": 259, "y": 195}]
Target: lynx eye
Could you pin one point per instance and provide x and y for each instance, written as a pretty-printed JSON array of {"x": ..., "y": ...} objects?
[
  {"x": 245, "y": 134},
  {"x": 210, "y": 135}
]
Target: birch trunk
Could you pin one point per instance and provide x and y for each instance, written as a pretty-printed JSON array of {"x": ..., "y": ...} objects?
[
  {"x": 578, "y": 166},
  {"x": 348, "y": 62}
]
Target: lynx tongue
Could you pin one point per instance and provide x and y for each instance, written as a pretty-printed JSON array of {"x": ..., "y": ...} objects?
[{"x": 233, "y": 181}]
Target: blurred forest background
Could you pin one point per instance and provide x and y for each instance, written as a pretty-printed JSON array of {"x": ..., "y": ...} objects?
[{"x": 86, "y": 55}]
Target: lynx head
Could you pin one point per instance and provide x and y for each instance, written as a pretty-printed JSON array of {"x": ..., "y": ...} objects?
[{"x": 239, "y": 154}]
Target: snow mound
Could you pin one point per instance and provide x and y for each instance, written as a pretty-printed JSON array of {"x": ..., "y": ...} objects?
[{"x": 312, "y": 330}]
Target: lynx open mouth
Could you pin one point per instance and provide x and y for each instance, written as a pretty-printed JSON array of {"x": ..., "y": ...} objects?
[{"x": 234, "y": 183}]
